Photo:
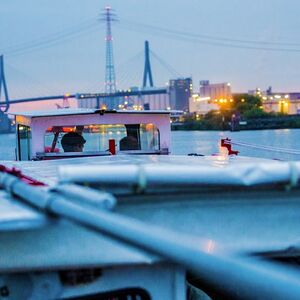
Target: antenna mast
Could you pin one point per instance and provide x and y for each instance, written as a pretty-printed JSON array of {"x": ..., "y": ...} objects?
[{"x": 110, "y": 78}]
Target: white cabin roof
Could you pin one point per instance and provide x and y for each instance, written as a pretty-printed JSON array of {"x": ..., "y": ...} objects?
[{"x": 83, "y": 111}]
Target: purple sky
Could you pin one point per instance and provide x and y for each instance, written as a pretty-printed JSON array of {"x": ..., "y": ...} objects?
[{"x": 76, "y": 63}]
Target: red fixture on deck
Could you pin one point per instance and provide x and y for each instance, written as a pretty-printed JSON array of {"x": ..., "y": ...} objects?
[
  {"x": 227, "y": 144},
  {"x": 112, "y": 146},
  {"x": 17, "y": 173}
]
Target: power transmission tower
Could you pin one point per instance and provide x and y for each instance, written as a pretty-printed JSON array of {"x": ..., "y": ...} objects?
[
  {"x": 3, "y": 107},
  {"x": 147, "y": 68},
  {"x": 110, "y": 79}
]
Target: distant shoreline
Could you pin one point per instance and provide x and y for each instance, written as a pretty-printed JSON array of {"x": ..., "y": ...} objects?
[
  {"x": 278, "y": 122},
  {"x": 241, "y": 129}
]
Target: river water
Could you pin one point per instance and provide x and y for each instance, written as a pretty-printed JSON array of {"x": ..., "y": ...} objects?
[{"x": 207, "y": 142}]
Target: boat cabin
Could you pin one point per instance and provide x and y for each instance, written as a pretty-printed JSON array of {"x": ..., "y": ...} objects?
[{"x": 90, "y": 132}]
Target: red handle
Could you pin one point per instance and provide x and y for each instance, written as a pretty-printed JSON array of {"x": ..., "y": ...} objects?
[{"x": 112, "y": 146}]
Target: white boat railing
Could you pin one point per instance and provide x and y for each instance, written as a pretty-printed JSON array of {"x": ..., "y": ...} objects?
[{"x": 143, "y": 176}]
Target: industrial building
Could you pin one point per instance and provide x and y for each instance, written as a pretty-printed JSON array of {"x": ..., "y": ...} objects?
[
  {"x": 180, "y": 90},
  {"x": 215, "y": 91},
  {"x": 210, "y": 97},
  {"x": 286, "y": 103}
]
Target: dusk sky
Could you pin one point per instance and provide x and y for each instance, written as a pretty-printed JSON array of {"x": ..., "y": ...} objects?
[{"x": 54, "y": 47}]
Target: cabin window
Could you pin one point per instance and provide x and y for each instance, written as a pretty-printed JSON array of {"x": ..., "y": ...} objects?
[
  {"x": 24, "y": 142},
  {"x": 143, "y": 137}
]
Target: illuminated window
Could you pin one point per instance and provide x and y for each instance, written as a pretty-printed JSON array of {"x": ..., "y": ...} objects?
[
  {"x": 24, "y": 142},
  {"x": 87, "y": 138}
]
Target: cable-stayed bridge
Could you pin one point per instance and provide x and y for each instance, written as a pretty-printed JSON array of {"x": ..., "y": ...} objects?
[
  {"x": 112, "y": 97},
  {"x": 147, "y": 88},
  {"x": 126, "y": 93}
]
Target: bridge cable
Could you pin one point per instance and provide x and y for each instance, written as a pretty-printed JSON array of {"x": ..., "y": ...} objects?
[
  {"x": 50, "y": 42},
  {"x": 209, "y": 37},
  {"x": 166, "y": 65},
  {"x": 126, "y": 78},
  {"x": 35, "y": 84},
  {"x": 184, "y": 36}
]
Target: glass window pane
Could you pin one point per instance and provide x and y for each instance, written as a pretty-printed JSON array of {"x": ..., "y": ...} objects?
[
  {"x": 96, "y": 138},
  {"x": 149, "y": 137},
  {"x": 24, "y": 141}
]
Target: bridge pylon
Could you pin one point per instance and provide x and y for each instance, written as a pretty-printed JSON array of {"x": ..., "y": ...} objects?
[
  {"x": 147, "y": 68},
  {"x": 3, "y": 107}
]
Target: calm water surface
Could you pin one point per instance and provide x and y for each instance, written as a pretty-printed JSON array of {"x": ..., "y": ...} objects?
[{"x": 207, "y": 142}]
